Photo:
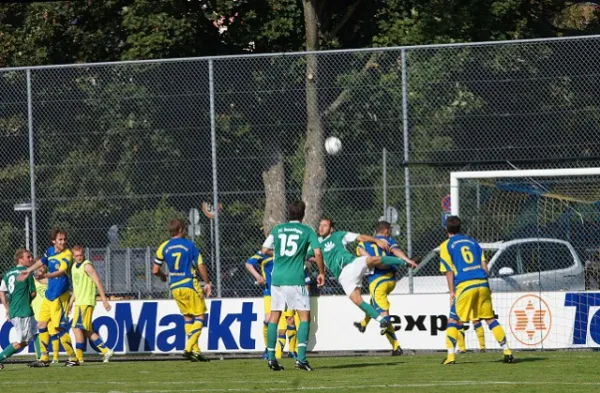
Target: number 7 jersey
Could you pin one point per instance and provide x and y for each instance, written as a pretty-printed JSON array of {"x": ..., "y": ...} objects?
[
  {"x": 182, "y": 258},
  {"x": 290, "y": 242}
]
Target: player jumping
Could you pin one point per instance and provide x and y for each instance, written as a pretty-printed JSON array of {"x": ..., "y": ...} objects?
[
  {"x": 470, "y": 296},
  {"x": 349, "y": 269}
]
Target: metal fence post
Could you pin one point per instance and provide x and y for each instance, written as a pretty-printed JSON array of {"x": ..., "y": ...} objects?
[
  {"x": 385, "y": 185},
  {"x": 213, "y": 137},
  {"x": 406, "y": 168},
  {"x": 31, "y": 164}
]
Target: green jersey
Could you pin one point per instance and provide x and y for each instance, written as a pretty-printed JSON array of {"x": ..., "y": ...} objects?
[
  {"x": 335, "y": 253},
  {"x": 290, "y": 243},
  {"x": 19, "y": 292}
]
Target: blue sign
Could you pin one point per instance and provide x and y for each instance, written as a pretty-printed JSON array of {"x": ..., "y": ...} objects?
[
  {"x": 583, "y": 322},
  {"x": 148, "y": 332}
]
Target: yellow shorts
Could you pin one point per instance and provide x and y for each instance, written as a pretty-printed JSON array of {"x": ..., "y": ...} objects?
[
  {"x": 189, "y": 301},
  {"x": 379, "y": 290},
  {"x": 472, "y": 300},
  {"x": 267, "y": 300},
  {"x": 55, "y": 311},
  {"x": 82, "y": 317}
]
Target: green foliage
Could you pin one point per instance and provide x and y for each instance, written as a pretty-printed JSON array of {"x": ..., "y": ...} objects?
[
  {"x": 108, "y": 138},
  {"x": 6, "y": 245},
  {"x": 148, "y": 227}
]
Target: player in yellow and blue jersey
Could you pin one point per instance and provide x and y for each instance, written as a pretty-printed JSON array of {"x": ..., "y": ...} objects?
[
  {"x": 53, "y": 320},
  {"x": 383, "y": 280},
  {"x": 462, "y": 261},
  {"x": 184, "y": 262},
  {"x": 262, "y": 263}
]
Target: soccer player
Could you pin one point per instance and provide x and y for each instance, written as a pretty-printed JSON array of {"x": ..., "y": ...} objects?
[
  {"x": 470, "y": 297},
  {"x": 290, "y": 242},
  {"x": 18, "y": 310},
  {"x": 350, "y": 270},
  {"x": 382, "y": 281},
  {"x": 289, "y": 320},
  {"x": 264, "y": 263},
  {"x": 53, "y": 312},
  {"x": 184, "y": 262},
  {"x": 85, "y": 282},
  {"x": 36, "y": 304}
]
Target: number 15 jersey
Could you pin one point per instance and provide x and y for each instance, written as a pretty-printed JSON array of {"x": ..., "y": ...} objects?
[{"x": 290, "y": 242}]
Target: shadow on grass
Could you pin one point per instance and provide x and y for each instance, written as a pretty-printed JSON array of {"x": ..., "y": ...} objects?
[
  {"x": 360, "y": 365},
  {"x": 517, "y": 360}
]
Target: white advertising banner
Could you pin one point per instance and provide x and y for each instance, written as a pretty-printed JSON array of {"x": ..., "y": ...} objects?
[{"x": 531, "y": 320}]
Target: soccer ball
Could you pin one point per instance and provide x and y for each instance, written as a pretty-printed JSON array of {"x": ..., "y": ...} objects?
[{"x": 333, "y": 145}]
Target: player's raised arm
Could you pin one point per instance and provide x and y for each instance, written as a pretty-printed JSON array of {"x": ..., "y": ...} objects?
[
  {"x": 24, "y": 274},
  {"x": 402, "y": 255},
  {"x": 93, "y": 274}
]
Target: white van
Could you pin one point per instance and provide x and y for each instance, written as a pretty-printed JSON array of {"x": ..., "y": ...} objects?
[{"x": 520, "y": 265}]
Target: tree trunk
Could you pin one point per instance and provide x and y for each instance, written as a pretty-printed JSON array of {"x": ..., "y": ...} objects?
[
  {"x": 314, "y": 170},
  {"x": 274, "y": 182}
]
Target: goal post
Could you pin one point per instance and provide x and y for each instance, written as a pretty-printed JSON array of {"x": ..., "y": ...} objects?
[
  {"x": 455, "y": 178},
  {"x": 542, "y": 230}
]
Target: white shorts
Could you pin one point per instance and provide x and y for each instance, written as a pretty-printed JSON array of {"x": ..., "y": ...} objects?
[
  {"x": 289, "y": 297},
  {"x": 24, "y": 328},
  {"x": 352, "y": 275}
]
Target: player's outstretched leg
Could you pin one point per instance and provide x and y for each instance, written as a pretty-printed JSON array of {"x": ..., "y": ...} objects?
[{"x": 500, "y": 336}]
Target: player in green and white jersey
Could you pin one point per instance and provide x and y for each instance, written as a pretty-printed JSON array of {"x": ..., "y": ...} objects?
[
  {"x": 350, "y": 270},
  {"x": 290, "y": 242},
  {"x": 18, "y": 308}
]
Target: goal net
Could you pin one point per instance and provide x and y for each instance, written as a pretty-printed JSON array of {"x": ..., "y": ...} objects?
[{"x": 545, "y": 225}]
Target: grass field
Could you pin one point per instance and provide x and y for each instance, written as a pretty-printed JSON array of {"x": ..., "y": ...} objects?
[{"x": 534, "y": 372}]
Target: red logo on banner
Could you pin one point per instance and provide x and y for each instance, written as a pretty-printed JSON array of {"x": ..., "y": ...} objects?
[{"x": 530, "y": 320}]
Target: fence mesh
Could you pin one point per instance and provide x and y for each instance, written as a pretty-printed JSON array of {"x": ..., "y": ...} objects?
[{"x": 121, "y": 148}]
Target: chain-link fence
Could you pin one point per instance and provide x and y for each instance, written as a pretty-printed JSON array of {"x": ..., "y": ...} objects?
[{"x": 118, "y": 149}]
